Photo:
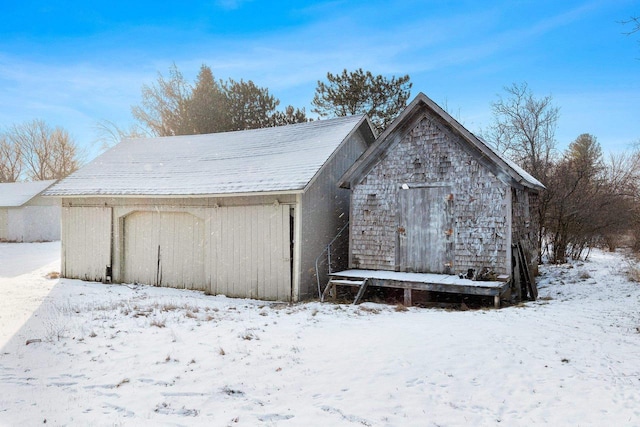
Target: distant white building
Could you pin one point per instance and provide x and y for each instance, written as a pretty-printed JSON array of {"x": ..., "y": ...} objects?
[
  {"x": 26, "y": 216},
  {"x": 244, "y": 214}
]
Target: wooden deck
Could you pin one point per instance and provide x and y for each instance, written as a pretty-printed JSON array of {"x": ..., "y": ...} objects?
[{"x": 418, "y": 281}]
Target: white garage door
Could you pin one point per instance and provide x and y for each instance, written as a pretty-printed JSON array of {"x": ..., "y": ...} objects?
[
  {"x": 164, "y": 249},
  {"x": 86, "y": 242},
  {"x": 251, "y": 252}
]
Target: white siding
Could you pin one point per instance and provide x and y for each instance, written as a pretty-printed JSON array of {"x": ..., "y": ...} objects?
[
  {"x": 250, "y": 252},
  {"x": 164, "y": 249},
  {"x": 37, "y": 221},
  {"x": 3, "y": 224},
  {"x": 239, "y": 250},
  {"x": 86, "y": 242},
  {"x": 33, "y": 223}
]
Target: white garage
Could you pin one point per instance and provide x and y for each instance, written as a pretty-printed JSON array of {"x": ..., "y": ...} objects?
[
  {"x": 25, "y": 216},
  {"x": 244, "y": 214}
]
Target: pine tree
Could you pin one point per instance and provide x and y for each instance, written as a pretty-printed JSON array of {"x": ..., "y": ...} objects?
[
  {"x": 361, "y": 92},
  {"x": 208, "y": 106}
]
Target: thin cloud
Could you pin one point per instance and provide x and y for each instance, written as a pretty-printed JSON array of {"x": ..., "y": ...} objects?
[{"x": 231, "y": 4}]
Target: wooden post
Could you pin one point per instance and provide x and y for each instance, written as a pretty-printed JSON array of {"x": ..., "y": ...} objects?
[{"x": 407, "y": 297}]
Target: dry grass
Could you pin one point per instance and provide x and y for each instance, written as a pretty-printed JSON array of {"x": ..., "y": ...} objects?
[
  {"x": 371, "y": 310},
  {"x": 633, "y": 271},
  {"x": 400, "y": 308},
  {"x": 158, "y": 323},
  {"x": 123, "y": 382}
]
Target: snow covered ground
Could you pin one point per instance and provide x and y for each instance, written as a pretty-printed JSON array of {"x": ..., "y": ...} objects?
[{"x": 136, "y": 355}]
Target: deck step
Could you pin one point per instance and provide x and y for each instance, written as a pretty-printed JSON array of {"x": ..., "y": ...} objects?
[
  {"x": 331, "y": 286},
  {"x": 348, "y": 282}
]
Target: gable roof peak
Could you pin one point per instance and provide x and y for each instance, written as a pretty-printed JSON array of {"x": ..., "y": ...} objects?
[{"x": 516, "y": 175}]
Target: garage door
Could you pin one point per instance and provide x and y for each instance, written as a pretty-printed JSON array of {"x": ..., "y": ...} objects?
[
  {"x": 86, "y": 242},
  {"x": 164, "y": 249},
  {"x": 251, "y": 252}
]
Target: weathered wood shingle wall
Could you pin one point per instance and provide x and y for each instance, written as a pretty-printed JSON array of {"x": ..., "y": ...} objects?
[{"x": 429, "y": 154}]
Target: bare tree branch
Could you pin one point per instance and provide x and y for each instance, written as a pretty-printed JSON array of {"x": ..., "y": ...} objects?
[{"x": 47, "y": 153}]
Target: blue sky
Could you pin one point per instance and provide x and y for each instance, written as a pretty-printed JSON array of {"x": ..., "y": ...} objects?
[{"x": 75, "y": 63}]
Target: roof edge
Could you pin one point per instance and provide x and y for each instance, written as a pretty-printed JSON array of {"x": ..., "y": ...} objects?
[
  {"x": 46, "y": 183},
  {"x": 173, "y": 196}
]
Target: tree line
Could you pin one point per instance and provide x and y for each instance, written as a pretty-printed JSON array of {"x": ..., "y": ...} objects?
[
  {"x": 172, "y": 106},
  {"x": 590, "y": 200},
  {"x": 36, "y": 151}
]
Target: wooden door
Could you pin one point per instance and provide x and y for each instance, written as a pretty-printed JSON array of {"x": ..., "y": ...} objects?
[
  {"x": 251, "y": 252},
  {"x": 164, "y": 249},
  {"x": 425, "y": 232},
  {"x": 86, "y": 242}
]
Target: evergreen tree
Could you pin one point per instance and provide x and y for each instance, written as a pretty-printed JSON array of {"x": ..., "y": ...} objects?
[
  {"x": 249, "y": 106},
  {"x": 361, "y": 92},
  {"x": 208, "y": 106},
  {"x": 289, "y": 116},
  {"x": 173, "y": 107}
]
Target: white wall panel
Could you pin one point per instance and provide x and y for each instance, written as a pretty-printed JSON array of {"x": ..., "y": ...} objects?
[
  {"x": 164, "y": 249},
  {"x": 3, "y": 224},
  {"x": 86, "y": 242},
  {"x": 250, "y": 252}
]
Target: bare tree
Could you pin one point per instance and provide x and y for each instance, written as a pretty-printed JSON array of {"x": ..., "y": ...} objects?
[
  {"x": 524, "y": 129},
  {"x": 164, "y": 108},
  {"x": 109, "y": 133},
  {"x": 623, "y": 174},
  {"x": 47, "y": 153},
  {"x": 594, "y": 201},
  {"x": 10, "y": 160},
  {"x": 574, "y": 217},
  {"x": 634, "y": 21}
]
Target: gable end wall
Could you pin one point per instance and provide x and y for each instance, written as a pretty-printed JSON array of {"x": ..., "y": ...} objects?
[{"x": 429, "y": 154}]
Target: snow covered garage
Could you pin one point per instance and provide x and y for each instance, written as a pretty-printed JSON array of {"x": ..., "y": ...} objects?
[
  {"x": 25, "y": 216},
  {"x": 244, "y": 214}
]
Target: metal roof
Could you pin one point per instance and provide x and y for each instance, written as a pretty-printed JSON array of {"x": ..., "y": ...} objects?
[{"x": 275, "y": 159}]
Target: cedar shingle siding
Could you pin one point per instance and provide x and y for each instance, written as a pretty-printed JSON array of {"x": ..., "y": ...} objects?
[
  {"x": 429, "y": 196},
  {"x": 430, "y": 154}
]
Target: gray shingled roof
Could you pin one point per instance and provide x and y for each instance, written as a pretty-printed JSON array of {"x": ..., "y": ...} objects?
[
  {"x": 284, "y": 158},
  {"x": 16, "y": 194}
]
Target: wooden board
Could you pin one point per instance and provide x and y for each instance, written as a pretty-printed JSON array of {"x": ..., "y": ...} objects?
[
  {"x": 425, "y": 228},
  {"x": 526, "y": 275}
]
